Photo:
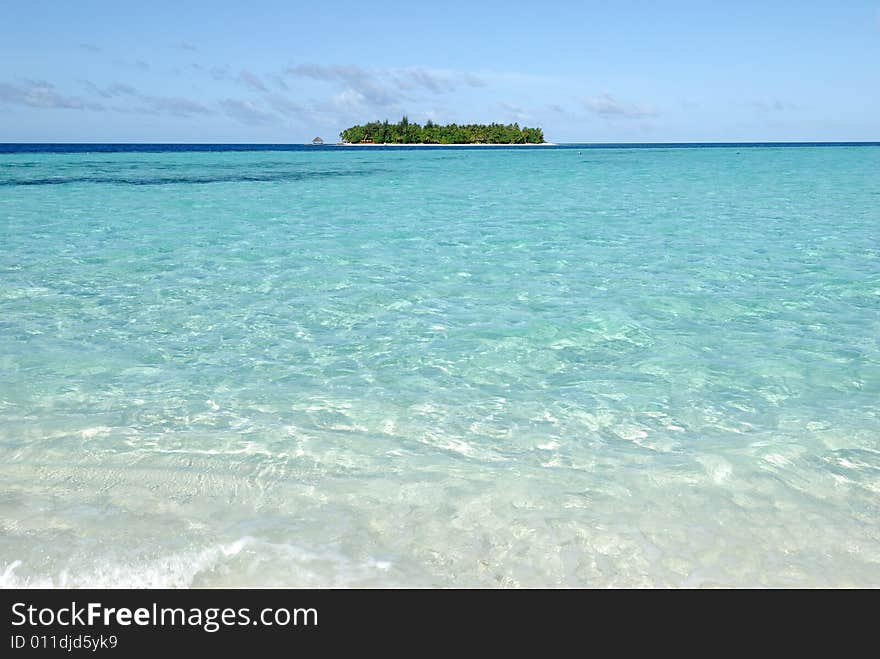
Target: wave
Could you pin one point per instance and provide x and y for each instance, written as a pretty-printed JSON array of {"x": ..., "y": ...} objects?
[{"x": 207, "y": 566}]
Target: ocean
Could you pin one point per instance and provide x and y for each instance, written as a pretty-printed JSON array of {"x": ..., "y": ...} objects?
[{"x": 573, "y": 366}]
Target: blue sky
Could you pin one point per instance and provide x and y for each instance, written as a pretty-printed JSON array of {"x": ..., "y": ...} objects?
[{"x": 267, "y": 71}]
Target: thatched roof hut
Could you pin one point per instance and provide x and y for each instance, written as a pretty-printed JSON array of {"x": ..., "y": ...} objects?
[{"x": 317, "y": 141}]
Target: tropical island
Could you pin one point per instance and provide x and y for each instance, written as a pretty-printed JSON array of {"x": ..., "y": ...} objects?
[{"x": 407, "y": 132}]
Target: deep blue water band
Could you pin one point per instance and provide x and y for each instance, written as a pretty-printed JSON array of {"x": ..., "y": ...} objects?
[{"x": 34, "y": 147}]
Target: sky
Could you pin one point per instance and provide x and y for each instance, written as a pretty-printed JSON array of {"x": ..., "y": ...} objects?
[{"x": 269, "y": 71}]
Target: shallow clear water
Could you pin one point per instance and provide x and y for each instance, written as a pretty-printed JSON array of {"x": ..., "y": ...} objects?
[{"x": 432, "y": 367}]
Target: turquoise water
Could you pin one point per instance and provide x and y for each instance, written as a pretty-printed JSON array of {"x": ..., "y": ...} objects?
[{"x": 432, "y": 367}]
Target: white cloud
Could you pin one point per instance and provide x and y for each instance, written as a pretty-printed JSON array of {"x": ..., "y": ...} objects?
[
  {"x": 246, "y": 112},
  {"x": 41, "y": 94},
  {"x": 174, "y": 106},
  {"x": 384, "y": 88},
  {"x": 284, "y": 105},
  {"x": 608, "y": 106},
  {"x": 251, "y": 80},
  {"x": 516, "y": 112}
]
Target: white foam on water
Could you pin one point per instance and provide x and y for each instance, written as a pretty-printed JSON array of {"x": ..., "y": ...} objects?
[
  {"x": 282, "y": 564},
  {"x": 89, "y": 433},
  {"x": 174, "y": 571}
]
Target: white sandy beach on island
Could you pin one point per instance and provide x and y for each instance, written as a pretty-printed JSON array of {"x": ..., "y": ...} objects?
[{"x": 423, "y": 144}]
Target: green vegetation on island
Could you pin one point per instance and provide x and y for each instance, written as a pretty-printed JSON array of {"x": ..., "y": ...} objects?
[{"x": 407, "y": 132}]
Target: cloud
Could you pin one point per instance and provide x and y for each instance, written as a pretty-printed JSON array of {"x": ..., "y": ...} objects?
[
  {"x": 509, "y": 107},
  {"x": 517, "y": 112},
  {"x": 419, "y": 78},
  {"x": 246, "y": 112},
  {"x": 140, "y": 64},
  {"x": 435, "y": 114},
  {"x": 171, "y": 106},
  {"x": 320, "y": 72},
  {"x": 121, "y": 89},
  {"x": 774, "y": 105},
  {"x": 284, "y": 105},
  {"x": 90, "y": 47},
  {"x": 279, "y": 82},
  {"x": 356, "y": 81},
  {"x": 174, "y": 106},
  {"x": 220, "y": 72},
  {"x": 434, "y": 81},
  {"x": 768, "y": 105},
  {"x": 41, "y": 94},
  {"x": 224, "y": 73},
  {"x": 384, "y": 88},
  {"x": 472, "y": 80},
  {"x": 348, "y": 100},
  {"x": 251, "y": 80},
  {"x": 246, "y": 78},
  {"x": 114, "y": 90},
  {"x": 184, "y": 45},
  {"x": 609, "y": 107}
]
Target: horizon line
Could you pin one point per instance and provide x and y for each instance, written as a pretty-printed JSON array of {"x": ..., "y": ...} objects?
[{"x": 327, "y": 144}]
